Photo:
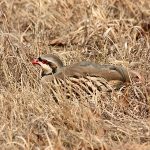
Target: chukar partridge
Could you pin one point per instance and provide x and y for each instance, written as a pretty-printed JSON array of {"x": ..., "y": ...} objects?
[
  {"x": 83, "y": 77},
  {"x": 52, "y": 66}
]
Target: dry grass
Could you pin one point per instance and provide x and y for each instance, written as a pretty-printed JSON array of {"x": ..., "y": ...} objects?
[{"x": 104, "y": 31}]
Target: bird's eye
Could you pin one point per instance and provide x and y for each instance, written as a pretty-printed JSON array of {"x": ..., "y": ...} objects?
[{"x": 44, "y": 61}]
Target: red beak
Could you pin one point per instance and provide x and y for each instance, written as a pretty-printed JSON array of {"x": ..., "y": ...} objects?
[{"x": 35, "y": 61}]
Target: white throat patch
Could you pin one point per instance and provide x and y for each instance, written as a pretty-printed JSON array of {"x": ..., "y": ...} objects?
[{"x": 46, "y": 68}]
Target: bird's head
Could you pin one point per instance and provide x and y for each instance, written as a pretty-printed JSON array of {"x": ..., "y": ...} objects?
[{"x": 50, "y": 64}]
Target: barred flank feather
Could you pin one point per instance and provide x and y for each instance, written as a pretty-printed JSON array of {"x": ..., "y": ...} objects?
[{"x": 77, "y": 88}]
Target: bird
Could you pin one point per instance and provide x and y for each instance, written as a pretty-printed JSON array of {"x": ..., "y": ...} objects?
[
  {"x": 52, "y": 66},
  {"x": 83, "y": 77}
]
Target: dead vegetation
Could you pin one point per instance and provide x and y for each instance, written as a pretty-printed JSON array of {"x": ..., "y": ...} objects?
[{"x": 104, "y": 31}]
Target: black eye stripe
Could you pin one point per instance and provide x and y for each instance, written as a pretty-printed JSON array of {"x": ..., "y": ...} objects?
[
  {"x": 43, "y": 60},
  {"x": 52, "y": 65}
]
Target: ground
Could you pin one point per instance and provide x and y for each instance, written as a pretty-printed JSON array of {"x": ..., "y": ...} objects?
[{"x": 102, "y": 31}]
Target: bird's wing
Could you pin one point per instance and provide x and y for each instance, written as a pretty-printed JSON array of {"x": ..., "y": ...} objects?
[{"x": 90, "y": 70}]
